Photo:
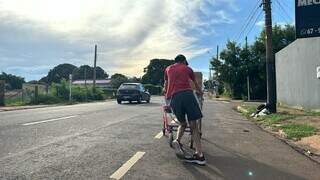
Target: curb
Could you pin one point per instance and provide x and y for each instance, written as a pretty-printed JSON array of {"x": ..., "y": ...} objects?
[
  {"x": 17, "y": 108},
  {"x": 241, "y": 109}
]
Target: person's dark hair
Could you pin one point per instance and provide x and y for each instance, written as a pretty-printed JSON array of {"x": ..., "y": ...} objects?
[{"x": 180, "y": 58}]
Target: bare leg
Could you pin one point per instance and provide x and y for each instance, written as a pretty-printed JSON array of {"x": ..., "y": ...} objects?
[
  {"x": 181, "y": 130},
  {"x": 196, "y": 137}
]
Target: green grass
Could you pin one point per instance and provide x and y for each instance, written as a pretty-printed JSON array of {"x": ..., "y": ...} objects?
[
  {"x": 16, "y": 101},
  {"x": 312, "y": 113},
  {"x": 298, "y": 131},
  {"x": 250, "y": 109},
  {"x": 275, "y": 118}
]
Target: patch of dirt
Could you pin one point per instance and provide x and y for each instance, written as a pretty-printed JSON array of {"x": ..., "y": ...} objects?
[
  {"x": 311, "y": 120},
  {"x": 311, "y": 143},
  {"x": 291, "y": 111}
]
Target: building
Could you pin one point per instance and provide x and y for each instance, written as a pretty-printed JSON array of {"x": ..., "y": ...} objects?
[
  {"x": 101, "y": 83},
  {"x": 298, "y": 74}
]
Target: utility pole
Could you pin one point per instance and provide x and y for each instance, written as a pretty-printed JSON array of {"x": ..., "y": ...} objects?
[
  {"x": 70, "y": 87},
  {"x": 95, "y": 67},
  {"x": 248, "y": 78},
  {"x": 210, "y": 70},
  {"x": 2, "y": 89},
  {"x": 217, "y": 52},
  {"x": 270, "y": 60},
  {"x": 85, "y": 77}
]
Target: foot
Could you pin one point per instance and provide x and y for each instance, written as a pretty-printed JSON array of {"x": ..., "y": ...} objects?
[
  {"x": 196, "y": 159},
  {"x": 178, "y": 149}
]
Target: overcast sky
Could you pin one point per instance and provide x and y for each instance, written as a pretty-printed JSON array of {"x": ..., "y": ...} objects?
[{"x": 36, "y": 35}]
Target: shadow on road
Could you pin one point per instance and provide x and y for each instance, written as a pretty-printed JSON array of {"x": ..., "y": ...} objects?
[{"x": 236, "y": 166}]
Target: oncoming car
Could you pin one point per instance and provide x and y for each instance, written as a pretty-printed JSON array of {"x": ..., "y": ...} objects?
[{"x": 132, "y": 92}]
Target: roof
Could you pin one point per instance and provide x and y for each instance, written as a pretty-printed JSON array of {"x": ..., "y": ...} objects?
[
  {"x": 132, "y": 83},
  {"x": 99, "y": 81}
]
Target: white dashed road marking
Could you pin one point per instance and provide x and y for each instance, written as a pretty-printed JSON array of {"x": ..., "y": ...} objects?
[
  {"x": 126, "y": 166},
  {"x": 49, "y": 120},
  {"x": 159, "y": 135}
]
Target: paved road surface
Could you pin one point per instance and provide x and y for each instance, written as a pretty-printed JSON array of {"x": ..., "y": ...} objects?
[{"x": 92, "y": 141}]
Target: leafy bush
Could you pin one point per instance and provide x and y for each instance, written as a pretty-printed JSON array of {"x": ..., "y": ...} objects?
[
  {"x": 153, "y": 89},
  {"x": 79, "y": 93},
  {"x": 110, "y": 93},
  {"x": 60, "y": 90},
  {"x": 46, "y": 99}
]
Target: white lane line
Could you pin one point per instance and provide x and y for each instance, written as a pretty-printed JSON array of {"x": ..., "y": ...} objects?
[
  {"x": 226, "y": 102},
  {"x": 126, "y": 166},
  {"x": 159, "y": 135},
  {"x": 49, "y": 120}
]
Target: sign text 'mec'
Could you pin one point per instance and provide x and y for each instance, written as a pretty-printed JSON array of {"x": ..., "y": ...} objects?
[{"x": 308, "y": 2}]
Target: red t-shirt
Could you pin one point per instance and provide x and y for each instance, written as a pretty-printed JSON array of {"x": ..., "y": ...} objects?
[{"x": 178, "y": 78}]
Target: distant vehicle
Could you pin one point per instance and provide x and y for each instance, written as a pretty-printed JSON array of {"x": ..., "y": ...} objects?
[{"x": 132, "y": 92}]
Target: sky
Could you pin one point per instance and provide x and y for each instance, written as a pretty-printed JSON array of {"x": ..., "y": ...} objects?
[{"x": 36, "y": 35}]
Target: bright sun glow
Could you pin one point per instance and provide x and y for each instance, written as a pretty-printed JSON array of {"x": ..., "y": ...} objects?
[{"x": 61, "y": 15}]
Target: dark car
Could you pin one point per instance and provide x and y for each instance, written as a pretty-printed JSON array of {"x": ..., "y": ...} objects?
[{"x": 132, "y": 92}]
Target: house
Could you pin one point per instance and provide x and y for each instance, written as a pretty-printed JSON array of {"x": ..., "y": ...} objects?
[{"x": 100, "y": 83}]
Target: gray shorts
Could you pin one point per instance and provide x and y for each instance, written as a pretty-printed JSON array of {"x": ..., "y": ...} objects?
[{"x": 184, "y": 104}]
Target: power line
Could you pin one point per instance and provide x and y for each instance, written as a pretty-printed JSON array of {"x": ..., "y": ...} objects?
[
  {"x": 280, "y": 13},
  {"x": 248, "y": 20},
  {"x": 254, "y": 24},
  {"x": 283, "y": 9}
]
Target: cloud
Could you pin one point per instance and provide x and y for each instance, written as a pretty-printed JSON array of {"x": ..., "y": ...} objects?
[{"x": 39, "y": 34}]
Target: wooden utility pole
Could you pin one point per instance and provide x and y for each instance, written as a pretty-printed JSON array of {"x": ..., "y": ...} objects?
[
  {"x": 270, "y": 60},
  {"x": 217, "y": 52},
  {"x": 95, "y": 67},
  {"x": 2, "y": 86},
  {"x": 248, "y": 78},
  {"x": 85, "y": 77}
]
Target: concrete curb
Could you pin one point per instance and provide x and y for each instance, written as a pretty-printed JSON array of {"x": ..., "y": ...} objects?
[
  {"x": 241, "y": 109},
  {"x": 13, "y": 108},
  {"x": 313, "y": 157},
  {"x": 17, "y": 108}
]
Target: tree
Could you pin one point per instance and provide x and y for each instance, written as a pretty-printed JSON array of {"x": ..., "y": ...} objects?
[
  {"x": 60, "y": 72},
  {"x": 12, "y": 81},
  {"x": 135, "y": 80},
  {"x": 154, "y": 72},
  {"x": 237, "y": 63},
  {"x": 117, "y": 80},
  {"x": 63, "y": 71}
]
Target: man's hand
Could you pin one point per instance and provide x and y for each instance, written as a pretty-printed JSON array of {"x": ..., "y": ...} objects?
[
  {"x": 164, "y": 90},
  {"x": 200, "y": 93}
]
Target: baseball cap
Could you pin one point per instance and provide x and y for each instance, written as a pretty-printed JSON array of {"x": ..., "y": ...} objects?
[{"x": 181, "y": 58}]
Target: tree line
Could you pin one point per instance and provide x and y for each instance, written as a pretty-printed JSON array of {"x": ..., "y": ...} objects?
[{"x": 238, "y": 62}]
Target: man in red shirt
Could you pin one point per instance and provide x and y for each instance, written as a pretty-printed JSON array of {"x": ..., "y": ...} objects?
[{"x": 184, "y": 103}]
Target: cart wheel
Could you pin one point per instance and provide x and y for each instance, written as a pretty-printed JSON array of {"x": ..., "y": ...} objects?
[
  {"x": 170, "y": 139},
  {"x": 191, "y": 144}
]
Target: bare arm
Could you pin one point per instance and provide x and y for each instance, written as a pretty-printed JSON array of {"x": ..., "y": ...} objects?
[
  {"x": 165, "y": 86},
  {"x": 199, "y": 90}
]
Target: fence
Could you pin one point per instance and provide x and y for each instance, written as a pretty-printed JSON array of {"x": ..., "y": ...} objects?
[{"x": 25, "y": 95}]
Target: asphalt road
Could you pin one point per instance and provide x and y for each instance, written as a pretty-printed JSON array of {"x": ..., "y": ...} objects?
[{"x": 92, "y": 141}]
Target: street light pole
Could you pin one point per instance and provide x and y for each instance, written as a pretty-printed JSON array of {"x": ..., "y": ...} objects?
[
  {"x": 70, "y": 87},
  {"x": 95, "y": 67},
  {"x": 270, "y": 60}
]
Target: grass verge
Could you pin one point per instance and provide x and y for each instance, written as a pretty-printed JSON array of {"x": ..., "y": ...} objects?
[
  {"x": 285, "y": 121},
  {"x": 298, "y": 131}
]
